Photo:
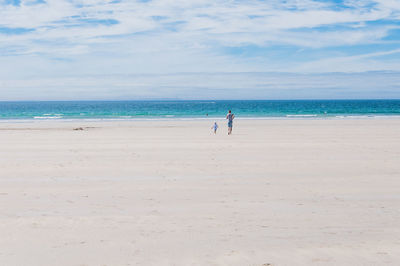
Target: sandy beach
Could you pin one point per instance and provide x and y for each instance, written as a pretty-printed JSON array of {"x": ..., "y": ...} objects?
[{"x": 276, "y": 192}]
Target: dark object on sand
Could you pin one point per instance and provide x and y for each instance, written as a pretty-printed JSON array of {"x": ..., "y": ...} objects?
[{"x": 78, "y": 128}]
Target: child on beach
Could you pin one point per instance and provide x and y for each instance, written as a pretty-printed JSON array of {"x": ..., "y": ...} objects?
[{"x": 215, "y": 127}]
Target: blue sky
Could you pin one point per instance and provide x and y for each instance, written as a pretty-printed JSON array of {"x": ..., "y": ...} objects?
[{"x": 199, "y": 49}]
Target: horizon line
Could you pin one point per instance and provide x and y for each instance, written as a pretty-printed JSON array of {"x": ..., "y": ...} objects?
[{"x": 199, "y": 100}]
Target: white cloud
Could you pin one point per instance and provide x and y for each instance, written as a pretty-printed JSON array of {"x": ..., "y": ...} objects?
[
  {"x": 71, "y": 39},
  {"x": 203, "y": 19},
  {"x": 355, "y": 63},
  {"x": 208, "y": 86}
]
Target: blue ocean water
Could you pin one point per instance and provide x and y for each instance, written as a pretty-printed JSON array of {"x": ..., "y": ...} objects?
[{"x": 196, "y": 109}]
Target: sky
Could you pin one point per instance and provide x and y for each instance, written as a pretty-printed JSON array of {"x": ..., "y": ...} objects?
[{"x": 199, "y": 49}]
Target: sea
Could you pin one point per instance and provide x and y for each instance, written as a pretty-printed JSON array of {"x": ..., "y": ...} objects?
[{"x": 207, "y": 109}]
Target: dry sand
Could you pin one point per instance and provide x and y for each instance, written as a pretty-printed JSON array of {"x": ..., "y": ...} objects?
[{"x": 277, "y": 192}]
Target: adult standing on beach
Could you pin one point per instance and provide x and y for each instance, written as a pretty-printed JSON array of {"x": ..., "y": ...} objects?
[{"x": 230, "y": 118}]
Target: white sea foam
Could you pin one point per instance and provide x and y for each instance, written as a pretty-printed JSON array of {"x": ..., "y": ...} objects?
[
  {"x": 47, "y": 117},
  {"x": 301, "y": 115}
]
